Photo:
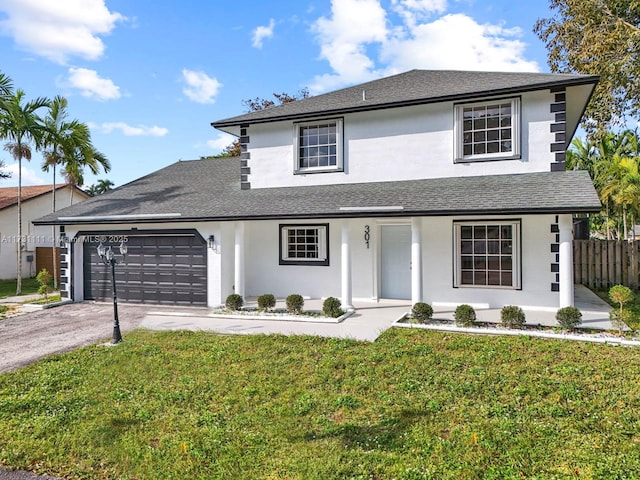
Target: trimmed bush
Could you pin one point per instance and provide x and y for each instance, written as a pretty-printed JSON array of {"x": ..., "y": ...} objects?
[
  {"x": 44, "y": 279},
  {"x": 512, "y": 316},
  {"x": 569, "y": 317},
  {"x": 331, "y": 307},
  {"x": 234, "y": 302},
  {"x": 465, "y": 315},
  {"x": 621, "y": 295},
  {"x": 421, "y": 312},
  {"x": 295, "y": 303},
  {"x": 621, "y": 318},
  {"x": 266, "y": 301}
]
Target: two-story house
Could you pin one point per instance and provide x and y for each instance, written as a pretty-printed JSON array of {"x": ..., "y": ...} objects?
[{"x": 446, "y": 187}]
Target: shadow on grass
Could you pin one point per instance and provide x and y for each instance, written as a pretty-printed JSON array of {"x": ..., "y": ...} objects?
[{"x": 388, "y": 434}]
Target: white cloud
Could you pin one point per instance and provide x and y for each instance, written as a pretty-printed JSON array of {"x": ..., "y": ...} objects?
[
  {"x": 343, "y": 39},
  {"x": 261, "y": 33},
  {"x": 58, "y": 30},
  {"x": 130, "y": 130},
  {"x": 91, "y": 85},
  {"x": 200, "y": 88},
  {"x": 222, "y": 141},
  {"x": 458, "y": 42},
  {"x": 29, "y": 176},
  {"x": 362, "y": 41}
]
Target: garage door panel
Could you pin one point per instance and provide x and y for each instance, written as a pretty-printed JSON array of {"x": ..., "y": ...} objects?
[{"x": 159, "y": 269}]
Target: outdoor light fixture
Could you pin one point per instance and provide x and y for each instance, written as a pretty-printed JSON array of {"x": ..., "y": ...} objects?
[
  {"x": 212, "y": 241},
  {"x": 108, "y": 257}
]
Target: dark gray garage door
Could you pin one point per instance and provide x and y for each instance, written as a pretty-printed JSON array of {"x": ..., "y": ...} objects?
[{"x": 159, "y": 268}]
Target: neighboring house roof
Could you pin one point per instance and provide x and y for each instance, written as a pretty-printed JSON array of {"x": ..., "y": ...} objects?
[
  {"x": 9, "y": 195},
  {"x": 410, "y": 88},
  {"x": 209, "y": 190}
]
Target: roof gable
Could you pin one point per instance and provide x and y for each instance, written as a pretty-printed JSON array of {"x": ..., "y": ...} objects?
[{"x": 410, "y": 88}]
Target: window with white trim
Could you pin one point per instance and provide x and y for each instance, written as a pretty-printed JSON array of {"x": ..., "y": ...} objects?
[
  {"x": 304, "y": 244},
  {"x": 487, "y": 130},
  {"x": 318, "y": 146},
  {"x": 487, "y": 254}
]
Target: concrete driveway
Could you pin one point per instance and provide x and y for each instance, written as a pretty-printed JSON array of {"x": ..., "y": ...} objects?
[{"x": 27, "y": 338}]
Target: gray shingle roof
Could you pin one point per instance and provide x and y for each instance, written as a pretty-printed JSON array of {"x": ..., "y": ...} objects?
[
  {"x": 210, "y": 190},
  {"x": 410, "y": 88}
]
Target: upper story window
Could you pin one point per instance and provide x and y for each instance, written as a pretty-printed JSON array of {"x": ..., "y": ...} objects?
[
  {"x": 318, "y": 146},
  {"x": 487, "y": 130}
]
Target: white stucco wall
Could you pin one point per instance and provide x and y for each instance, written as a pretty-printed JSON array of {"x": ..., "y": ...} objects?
[
  {"x": 263, "y": 274},
  {"x": 399, "y": 144},
  {"x": 36, "y": 236}
]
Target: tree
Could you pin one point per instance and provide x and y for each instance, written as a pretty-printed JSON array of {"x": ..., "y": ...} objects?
[
  {"x": 255, "y": 104},
  {"x": 21, "y": 125},
  {"x": 6, "y": 87},
  {"x": 598, "y": 37},
  {"x": 3, "y": 174},
  {"x": 81, "y": 154},
  {"x": 99, "y": 188},
  {"x": 612, "y": 162}
]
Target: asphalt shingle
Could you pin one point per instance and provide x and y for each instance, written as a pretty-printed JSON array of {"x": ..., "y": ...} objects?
[
  {"x": 410, "y": 88},
  {"x": 202, "y": 190}
]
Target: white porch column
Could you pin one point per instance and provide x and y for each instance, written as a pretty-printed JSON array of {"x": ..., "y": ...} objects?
[
  {"x": 566, "y": 261},
  {"x": 346, "y": 300},
  {"x": 239, "y": 259},
  {"x": 416, "y": 260}
]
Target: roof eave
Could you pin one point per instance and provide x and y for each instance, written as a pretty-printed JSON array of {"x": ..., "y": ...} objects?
[{"x": 335, "y": 214}]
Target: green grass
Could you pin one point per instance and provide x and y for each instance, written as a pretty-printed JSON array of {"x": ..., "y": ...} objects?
[
  {"x": 413, "y": 405},
  {"x": 8, "y": 287},
  {"x": 51, "y": 298}
]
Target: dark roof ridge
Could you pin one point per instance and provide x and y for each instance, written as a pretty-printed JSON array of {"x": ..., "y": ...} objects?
[{"x": 409, "y": 88}]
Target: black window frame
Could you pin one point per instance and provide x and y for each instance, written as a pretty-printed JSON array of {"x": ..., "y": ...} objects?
[{"x": 285, "y": 260}]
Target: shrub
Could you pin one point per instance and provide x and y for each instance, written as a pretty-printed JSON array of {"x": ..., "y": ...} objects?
[
  {"x": 44, "y": 279},
  {"x": 421, "y": 312},
  {"x": 569, "y": 317},
  {"x": 295, "y": 303},
  {"x": 234, "y": 302},
  {"x": 331, "y": 307},
  {"x": 512, "y": 316},
  {"x": 621, "y": 295},
  {"x": 266, "y": 301},
  {"x": 465, "y": 315}
]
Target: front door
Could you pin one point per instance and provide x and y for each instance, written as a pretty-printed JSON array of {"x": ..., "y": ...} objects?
[{"x": 395, "y": 261}]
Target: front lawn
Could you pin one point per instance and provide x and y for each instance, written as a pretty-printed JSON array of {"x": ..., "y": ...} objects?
[
  {"x": 413, "y": 405},
  {"x": 8, "y": 287}
]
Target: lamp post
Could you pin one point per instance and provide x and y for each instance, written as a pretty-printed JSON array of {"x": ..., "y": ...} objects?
[{"x": 109, "y": 258}]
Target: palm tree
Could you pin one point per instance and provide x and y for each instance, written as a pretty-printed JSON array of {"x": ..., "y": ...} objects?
[
  {"x": 21, "y": 125},
  {"x": 61, "y": 137},
  {"x": 6, "y": 87},
  {"x": 83, "y": 154},
  {"x": 616, "y": 176}
]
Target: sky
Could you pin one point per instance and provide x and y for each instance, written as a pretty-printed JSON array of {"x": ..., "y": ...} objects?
[{"x": 149, "y": 76}]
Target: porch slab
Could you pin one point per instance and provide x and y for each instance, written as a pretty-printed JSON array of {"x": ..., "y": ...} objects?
[{"x": 367, "y": 323}]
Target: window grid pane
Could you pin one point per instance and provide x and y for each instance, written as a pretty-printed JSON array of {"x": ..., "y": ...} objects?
[
  {"x": 318, "y": 146},
  {"x": 486, "y": 255},
  {"x": 486, "y": 129},
  {"x": 303, "y": 243}
]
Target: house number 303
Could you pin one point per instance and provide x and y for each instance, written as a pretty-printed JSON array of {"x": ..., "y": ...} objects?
[{"x": 367, "y": 235}]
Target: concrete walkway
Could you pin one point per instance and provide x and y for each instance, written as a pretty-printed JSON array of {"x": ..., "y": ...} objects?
[{"x": 367, "y": 323}]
